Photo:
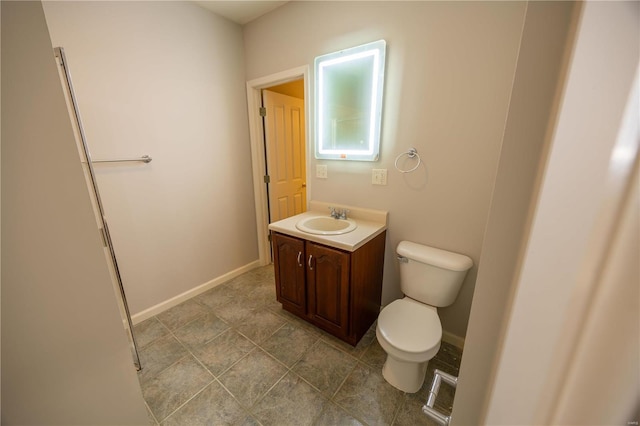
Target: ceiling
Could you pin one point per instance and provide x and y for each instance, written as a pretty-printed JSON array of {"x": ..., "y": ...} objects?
[{"x": 240, "y": 11}]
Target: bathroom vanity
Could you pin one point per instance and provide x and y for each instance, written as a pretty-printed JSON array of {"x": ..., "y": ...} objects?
[{"x": 330, "y": 278}]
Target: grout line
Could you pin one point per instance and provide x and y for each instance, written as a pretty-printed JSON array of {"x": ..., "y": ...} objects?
[
  {"x": 223, "y": 372},
  {"x": 166, "y": 368},
  {"x": 333, "y": 395},
  {"x": 399, "y": 408},
  {"x": 246, "y": 410},
  {"x": 291, "y": 370},
  {"x": 189, "y": 352},
  {"x": 236, "y": 328},
  {"x": 296, "y": 375},
  {"x": 335, "y": 346},
  {"x": 213, "y": 379},
  {"x": 349, "y": 412},
  {"x": 266, "y": 393},
  {"x": 150, "y": 412},
  {"x": 311, "y": 384},
  {"x": 274, "y": 358}
]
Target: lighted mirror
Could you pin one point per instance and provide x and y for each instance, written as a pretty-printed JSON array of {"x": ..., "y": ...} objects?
[{"x": 348, "y": 106}]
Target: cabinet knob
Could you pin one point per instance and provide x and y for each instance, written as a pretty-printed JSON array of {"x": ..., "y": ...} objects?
[
  {"x": 310, "y": 265},
  {"x": 299, "y": 260}
]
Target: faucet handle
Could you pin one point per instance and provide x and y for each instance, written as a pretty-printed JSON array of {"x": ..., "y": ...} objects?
[{"x": 338, "y": 213}]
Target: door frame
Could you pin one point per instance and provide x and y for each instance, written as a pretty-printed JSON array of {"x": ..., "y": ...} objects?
[{"x": 258, "y": 159}]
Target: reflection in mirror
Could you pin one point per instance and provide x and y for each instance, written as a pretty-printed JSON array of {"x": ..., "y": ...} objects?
[{"x": 348, "y": 106}]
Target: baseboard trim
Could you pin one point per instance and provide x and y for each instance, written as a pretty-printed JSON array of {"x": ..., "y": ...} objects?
[
  {"x": 174, "y": 301},
  {"x": 452, "y": 339}
]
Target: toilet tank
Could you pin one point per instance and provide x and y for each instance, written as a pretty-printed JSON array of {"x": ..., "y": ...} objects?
[{"x": 430, "y": 275}]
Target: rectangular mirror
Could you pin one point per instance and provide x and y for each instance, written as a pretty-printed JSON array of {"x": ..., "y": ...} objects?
[{"x": 348, "y": 109}]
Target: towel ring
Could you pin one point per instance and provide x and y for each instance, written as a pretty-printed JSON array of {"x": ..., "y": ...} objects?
[{"x": 412, "y": 153}]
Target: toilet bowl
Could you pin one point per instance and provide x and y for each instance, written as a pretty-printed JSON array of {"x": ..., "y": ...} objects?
[
  {"x": 410, "y": 334},
  {"x": 409, "y": 329}
]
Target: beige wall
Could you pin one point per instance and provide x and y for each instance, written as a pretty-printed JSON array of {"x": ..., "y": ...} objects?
[
  {"x": 449, "y": 74},
  {"x": 546, "y": 353},
  {"x": 534, "y": 100},
  {"x": 65, "y": 356},
  {"x": 561, "y": 282},
  {"x": 164, "y": 79}
]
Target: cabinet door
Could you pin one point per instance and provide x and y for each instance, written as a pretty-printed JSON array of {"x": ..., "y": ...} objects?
[
  {"x": 328, "y": 288},
  {"x": 289, "y": 265}
]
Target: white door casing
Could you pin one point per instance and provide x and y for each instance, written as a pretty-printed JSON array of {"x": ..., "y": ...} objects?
[{"x": 256, "y": 133}]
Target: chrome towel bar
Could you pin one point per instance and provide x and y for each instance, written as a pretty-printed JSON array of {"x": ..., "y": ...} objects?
[{"x": 144, "y": 159}]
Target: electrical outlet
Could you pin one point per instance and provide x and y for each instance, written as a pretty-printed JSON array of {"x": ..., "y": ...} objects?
[
  {"x": 379, "y": 176},
  {"x": 321, "y": 171}
]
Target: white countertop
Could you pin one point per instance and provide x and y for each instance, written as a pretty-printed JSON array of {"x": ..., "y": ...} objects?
[{"x": 371, "y": 223}]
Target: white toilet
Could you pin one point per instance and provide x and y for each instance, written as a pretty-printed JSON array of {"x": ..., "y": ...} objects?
[{"x": 409, "y": 329}]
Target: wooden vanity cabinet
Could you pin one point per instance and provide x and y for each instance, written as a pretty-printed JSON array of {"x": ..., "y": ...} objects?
[
  {"x": 336, "y": 290},
  {"x": 328, "y": 288},
  {"x": 288, "y": 260}
]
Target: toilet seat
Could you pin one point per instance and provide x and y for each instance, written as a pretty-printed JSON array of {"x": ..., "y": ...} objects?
[{"x": 411, "y": 329}]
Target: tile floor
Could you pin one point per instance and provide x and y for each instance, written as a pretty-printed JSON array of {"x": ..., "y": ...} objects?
[{"x": 233, "y": 356}]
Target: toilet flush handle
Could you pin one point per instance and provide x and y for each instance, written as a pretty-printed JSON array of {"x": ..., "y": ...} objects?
[{"x": 402, "y": 259}]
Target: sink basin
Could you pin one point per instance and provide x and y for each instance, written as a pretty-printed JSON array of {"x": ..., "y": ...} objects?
[{"x": 323, "y": 225}]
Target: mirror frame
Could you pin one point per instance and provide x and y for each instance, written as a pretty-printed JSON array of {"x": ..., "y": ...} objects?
[{"x": 376, "y": 50}]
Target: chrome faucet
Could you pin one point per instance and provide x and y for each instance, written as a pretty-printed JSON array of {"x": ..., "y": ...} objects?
[{"x": 338, "y": 213}]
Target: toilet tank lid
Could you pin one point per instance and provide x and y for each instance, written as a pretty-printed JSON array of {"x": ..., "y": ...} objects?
[{"x": 434, "y": 256}]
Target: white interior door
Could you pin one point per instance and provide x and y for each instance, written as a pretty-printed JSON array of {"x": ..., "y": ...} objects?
[{"x": 285, "y": 146}]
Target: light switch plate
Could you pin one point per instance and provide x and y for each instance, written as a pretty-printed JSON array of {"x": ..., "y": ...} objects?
[
  {"x": 321, "y": 171},
  {"x": 379, "y": 176}
]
